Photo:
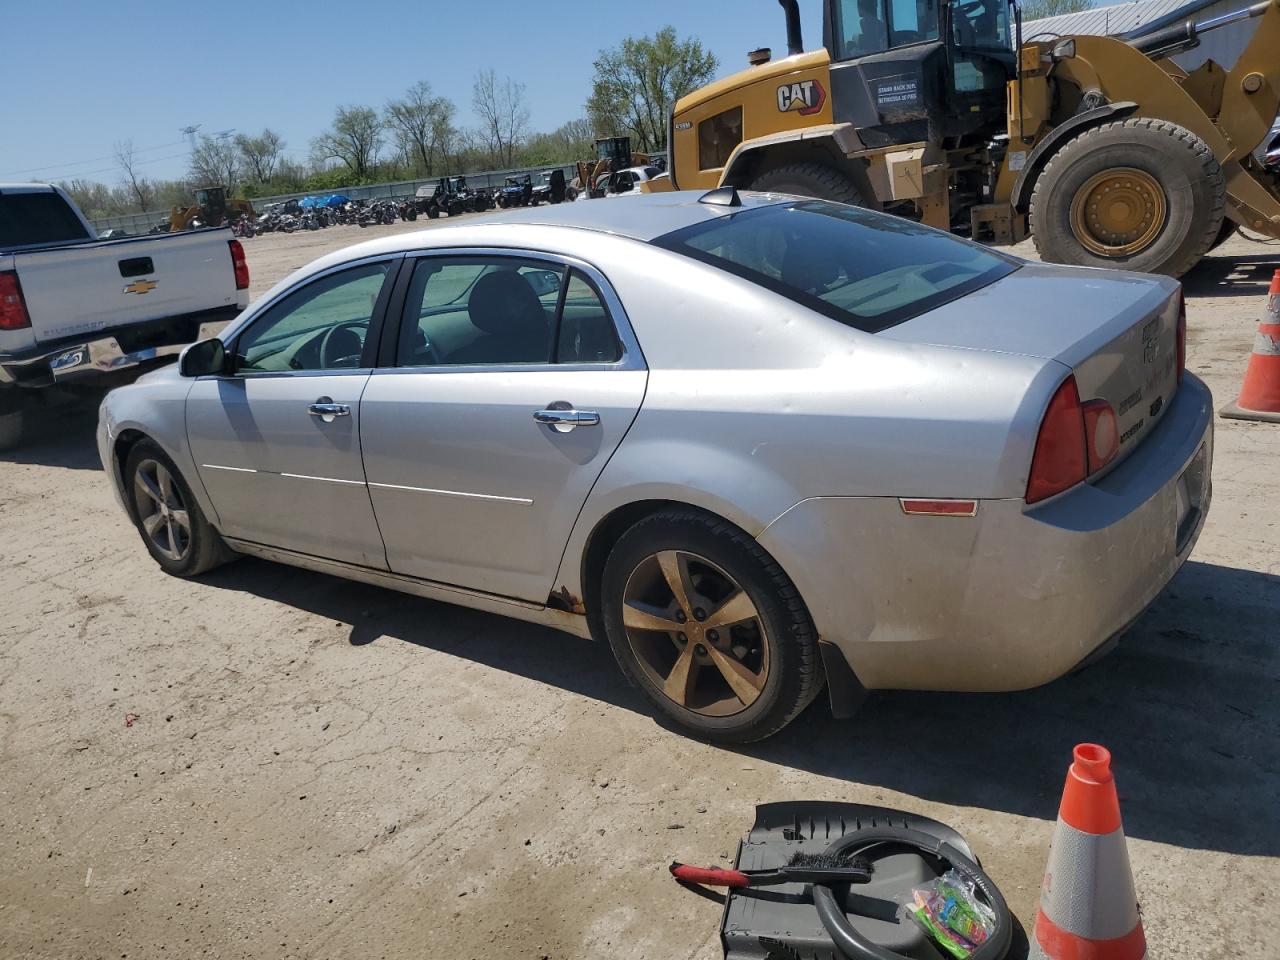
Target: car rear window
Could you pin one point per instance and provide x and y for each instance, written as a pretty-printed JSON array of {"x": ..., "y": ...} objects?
[
  {"x": 864, "y": 269},
  {"x": 34, "y": 218}
]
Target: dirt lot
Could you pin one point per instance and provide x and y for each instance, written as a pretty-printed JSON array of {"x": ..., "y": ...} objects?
[{"x": 323, "y": 769}]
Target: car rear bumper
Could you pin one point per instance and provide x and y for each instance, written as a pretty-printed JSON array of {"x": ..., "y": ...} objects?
[
  {"x": 108, "y": 351},
  {"x": 1015, "y": 596}
]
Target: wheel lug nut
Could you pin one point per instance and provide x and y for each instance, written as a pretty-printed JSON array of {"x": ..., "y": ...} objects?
[
  {"x": 713, "y": 636},
  {"x": 701, "y": 649},
  {"x": 680, "y": 616},
  {"x": 700, "y": 614},
  {"x": 682, "y": 638}
]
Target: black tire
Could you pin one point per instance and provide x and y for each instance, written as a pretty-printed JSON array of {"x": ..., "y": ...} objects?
[
  {"x": 1180, "y": 162},
  {"x": 795, "y": 674},
  {"x": 205, "y": 548},
  {"x": 1226, "y": 233},
  {"x": 433, "y": 213},
  {"x": 810, "y": 180},
  {"x": 12, "y": 423}
]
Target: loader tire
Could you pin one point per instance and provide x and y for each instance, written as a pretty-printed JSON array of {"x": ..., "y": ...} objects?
[
  {"x": 1137, "y": 194},
  {"x": 810, "y": 180}
]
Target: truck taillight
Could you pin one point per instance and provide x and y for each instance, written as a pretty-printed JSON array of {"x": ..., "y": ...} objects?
[
  {"x": 1075, "y": 441},
  {"x": 13, "y": 308},
  {"x": 1182, "y": 333},
  {"x": 240, "y": 264}
]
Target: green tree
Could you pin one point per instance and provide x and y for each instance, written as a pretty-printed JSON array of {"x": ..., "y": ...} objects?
[
  {"x": 422, "y": 124},
  {"x": 260, "y": 155},
  {"x": 355, "y": 139},
  {"x": 637, "y": 83},
  {"x": 1039, "y": 9}
]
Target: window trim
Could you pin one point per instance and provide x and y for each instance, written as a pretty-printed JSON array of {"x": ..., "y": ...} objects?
[
  {"x": 632, "y": 358},
  {"x": 372, "y": 340}
]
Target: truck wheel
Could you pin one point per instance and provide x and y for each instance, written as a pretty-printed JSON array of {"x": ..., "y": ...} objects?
[
  {"x": 10, "y": 429},
  {"x": 1137, "y": 194},
  {"x": 709, "y": 627},
  {"x": 1226, "y": 233},
  {"x": 810, "y": 180}
]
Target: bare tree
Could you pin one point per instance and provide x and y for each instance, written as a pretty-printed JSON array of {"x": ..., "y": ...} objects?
[
  {"x": 636, "y": 84},
  {"x": 420, "y": 122},
  {"x": 503, "y": 115},
  {"x": 215, "y": 161},
  {"x": 261, "y": 154},
  {"x": 140, "y": 189},
  {"x": 355, "y": 139}
]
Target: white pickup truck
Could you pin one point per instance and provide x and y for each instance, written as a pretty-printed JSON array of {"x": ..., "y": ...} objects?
[{"x": 76, "y": 310}]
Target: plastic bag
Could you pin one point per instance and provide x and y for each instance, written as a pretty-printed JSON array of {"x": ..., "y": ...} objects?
[{"x": 951, "y": 912}]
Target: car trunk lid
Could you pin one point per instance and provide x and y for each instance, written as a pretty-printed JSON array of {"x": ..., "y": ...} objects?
[{"x": 1117, "y": 332}]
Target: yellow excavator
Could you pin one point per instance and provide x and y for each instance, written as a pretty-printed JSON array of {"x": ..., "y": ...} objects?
[
  {"x": 1103, "y": 149},
  {"x": 212, "y": 209}
]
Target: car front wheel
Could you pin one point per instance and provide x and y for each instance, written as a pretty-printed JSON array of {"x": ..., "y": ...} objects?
[
  {"x": 709, "y": 627},
  {"x": 172, "y": 525}
]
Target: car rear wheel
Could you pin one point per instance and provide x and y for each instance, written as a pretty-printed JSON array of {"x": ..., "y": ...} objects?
[
  {"x": 709, "y": 627},
  {"x": 810, "y": 180},
  {"x": 1137, "y": 194},
  {"x": 170, "y": 521}
]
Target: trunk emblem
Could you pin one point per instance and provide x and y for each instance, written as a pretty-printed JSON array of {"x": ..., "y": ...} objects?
[{"x": 140, "y": 286}]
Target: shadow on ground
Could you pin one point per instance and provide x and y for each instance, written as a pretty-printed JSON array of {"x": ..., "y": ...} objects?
[
  {"x": 1247, "y": 276},
  {"x": 1189, "y": 704},
  {"x": 59, "y": 431}
]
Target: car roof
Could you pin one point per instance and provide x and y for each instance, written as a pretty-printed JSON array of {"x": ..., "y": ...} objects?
[{"x": 643, "y": 216}]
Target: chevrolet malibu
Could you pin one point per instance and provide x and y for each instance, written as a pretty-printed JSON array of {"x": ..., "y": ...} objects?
[{"x": 759, "y": 444}]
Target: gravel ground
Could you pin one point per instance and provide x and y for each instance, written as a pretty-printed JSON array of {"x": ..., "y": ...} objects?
[{"x": 275, "y": 763}]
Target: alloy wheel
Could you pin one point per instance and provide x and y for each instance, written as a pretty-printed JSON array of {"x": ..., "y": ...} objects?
[
  {"x": 161, "y": 510},
  {"x": 695, "y": 633}
]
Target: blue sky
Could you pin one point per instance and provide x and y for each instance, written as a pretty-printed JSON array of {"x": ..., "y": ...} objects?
[{"x": 87, "y": 74}]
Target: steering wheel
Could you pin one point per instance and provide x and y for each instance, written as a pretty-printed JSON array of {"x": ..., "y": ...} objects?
[
  {"x": 332, "y": 346},
  {"x": 423, "y": 347}
]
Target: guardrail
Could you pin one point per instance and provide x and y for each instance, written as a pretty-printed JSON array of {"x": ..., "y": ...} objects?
[{"x": 139, "y": 223}]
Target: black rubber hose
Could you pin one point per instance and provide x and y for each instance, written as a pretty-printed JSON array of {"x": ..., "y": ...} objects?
[{"x": 854, "y": 946}]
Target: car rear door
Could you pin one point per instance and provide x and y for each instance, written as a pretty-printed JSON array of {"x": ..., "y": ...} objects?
[
  {"x": 513, "y": 378},
  {"x": 276, "y": 441}
]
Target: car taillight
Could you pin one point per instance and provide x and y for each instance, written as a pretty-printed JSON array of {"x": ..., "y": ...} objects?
[
  {"x": 13, "y": 308},
  {"x": 240, "y": 264},
  {"x": 1060, "y": 460},
  {"x": 1182, "y": 333}
]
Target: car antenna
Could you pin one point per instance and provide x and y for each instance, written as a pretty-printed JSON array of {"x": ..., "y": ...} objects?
[{"x": 722, "y": 197}]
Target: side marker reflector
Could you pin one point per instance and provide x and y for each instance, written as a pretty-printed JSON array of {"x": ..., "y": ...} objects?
[{"x": 939, "y": 508}]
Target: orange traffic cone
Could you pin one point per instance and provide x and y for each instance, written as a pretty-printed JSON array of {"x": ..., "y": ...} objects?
[
  {"x": 1260, "y": 393},
  {"x": 1087, "y": 905}
]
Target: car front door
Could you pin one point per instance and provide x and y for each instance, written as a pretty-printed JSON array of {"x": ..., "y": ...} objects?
[
  {"x": 510, "y": 383},
  {"x": 276, "y": 440}
]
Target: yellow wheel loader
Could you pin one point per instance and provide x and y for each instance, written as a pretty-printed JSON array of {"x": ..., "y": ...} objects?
[
  {"x": 1105, "y": 150},
  {"x": 213, "y": 208}
]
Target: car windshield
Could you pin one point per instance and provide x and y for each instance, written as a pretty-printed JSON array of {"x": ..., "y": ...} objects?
[{"x": 864, "y": 269}]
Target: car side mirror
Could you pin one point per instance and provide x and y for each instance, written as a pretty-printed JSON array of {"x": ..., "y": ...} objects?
[{"x": 203, "y": 358}]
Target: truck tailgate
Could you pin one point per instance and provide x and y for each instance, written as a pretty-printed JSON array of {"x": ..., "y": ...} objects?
[{"x": 82, "y": 289}]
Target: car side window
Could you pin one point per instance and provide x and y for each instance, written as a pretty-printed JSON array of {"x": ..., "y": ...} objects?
[
  {"x": 586, "y": 333},
  {"x": 480, "y": 310},
  {"x": 323, "y": 326}
]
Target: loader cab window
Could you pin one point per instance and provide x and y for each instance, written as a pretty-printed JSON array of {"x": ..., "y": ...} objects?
[
  {"x": 981, "y": 25},
  {"x": 864, "y": 27}
]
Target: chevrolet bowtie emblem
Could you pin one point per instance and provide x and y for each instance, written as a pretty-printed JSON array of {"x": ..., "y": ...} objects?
[{"x": 141, "y": 286}]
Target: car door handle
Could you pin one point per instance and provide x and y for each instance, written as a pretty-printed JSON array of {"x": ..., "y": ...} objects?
[
  {"x": 566, "y": 420},
  {"x": 327, "y": 410}
]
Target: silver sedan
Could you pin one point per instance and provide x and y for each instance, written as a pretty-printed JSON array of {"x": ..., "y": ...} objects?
[{"x": 759, "y": 444}]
